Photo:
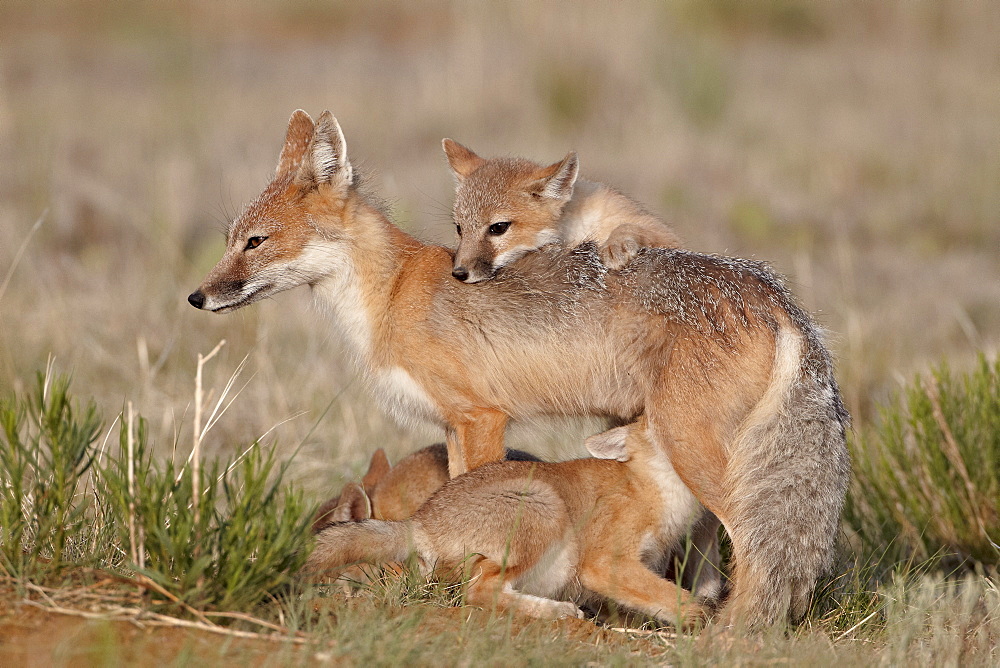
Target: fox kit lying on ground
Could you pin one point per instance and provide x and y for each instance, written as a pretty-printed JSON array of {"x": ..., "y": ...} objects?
[
  {"x": 506, "y": 207},
  {"x": 729, "y": 372},
  {"x": 531, "y": 532},
  {"x": 388, "y": 493},
  {"x": 396, "y": 492}
]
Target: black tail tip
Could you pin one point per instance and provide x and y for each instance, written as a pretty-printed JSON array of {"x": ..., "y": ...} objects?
[{"x": 196, "y": 299}]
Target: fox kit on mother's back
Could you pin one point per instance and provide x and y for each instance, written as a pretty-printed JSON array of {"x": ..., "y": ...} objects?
[{"x": 506, "y": 207}]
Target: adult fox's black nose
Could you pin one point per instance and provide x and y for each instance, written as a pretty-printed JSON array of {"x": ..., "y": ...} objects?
[
  {"x": 461, "y": 273},
  {"x": 196, "y": 299}
]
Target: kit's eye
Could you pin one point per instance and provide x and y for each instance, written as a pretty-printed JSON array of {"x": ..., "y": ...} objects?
[
  {"x": 496, "y": 229},
  {"x": 253, "y": 242},
  {"x": 458, "y": 228}
]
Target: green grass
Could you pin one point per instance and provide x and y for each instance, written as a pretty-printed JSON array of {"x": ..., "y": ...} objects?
[
  {"x": 927, "y": 473},
  {"x": 47, "y": 448},
  {"x": 229, "y": 541}
]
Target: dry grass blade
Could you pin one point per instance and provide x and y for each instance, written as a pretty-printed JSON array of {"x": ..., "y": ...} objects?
[
  {"x": 195, "y": 458},
  {"x": 76, "y": 593},
  {"x": 133, "y": 551},
  {"x": 97, "y": 590},
  {"x": 20, "y": 252},
  {"x": 141, "y": 617},
  {"x": 145, "y": 582},
  {"x": 259, "y": 622},
  {"x": 219, "y": 410},
  {"x": 669, "y": 637},
  {"x": 858, "y": 625},
  {"x": 250, "y": 448}
]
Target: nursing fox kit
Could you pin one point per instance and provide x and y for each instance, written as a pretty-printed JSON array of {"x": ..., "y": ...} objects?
[
  {"x": 395, "y": 493},
  {"x": 728, "y": 373},
  {"x": 540, "y": 537}
]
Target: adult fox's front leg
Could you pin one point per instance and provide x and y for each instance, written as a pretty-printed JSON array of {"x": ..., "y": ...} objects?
[{"x": 475, "y": 439}]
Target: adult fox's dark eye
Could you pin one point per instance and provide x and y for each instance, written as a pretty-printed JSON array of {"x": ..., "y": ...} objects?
[
  {"x": 458, "y": 229},
  {"x": 496, "y": 229},
  {"x": 253, "y": 242}
]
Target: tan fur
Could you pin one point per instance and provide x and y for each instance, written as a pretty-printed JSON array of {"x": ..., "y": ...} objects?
[
  {"x": 531, "y": 532},
  {"x": 540, "y": 205},
  {"x": 395, "y": 493},
  {"x": 688, "y": 340}
]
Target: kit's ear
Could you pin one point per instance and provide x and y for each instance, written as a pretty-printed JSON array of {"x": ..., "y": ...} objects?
[
  {"x": 609, "y": 444},
  {"x": 462, "y": 160},
  {"x": 377, "y": 469},
  {"x": 354, "y": 505},
  {"x": 557, "y": 180}
]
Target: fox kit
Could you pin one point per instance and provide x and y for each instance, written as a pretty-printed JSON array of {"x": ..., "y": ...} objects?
[
  {"x": 389, "y": 492},
  {"x": 506, "y": 207},
  {"x": 396, "y": 492},
  {"x": 531, "y": 532},
  {"x": 729, "y": 372}
]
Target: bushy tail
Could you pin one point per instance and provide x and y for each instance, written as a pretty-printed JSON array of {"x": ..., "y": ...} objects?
[
  {"x": 788, "y": 476},
  {"x": 370, "y": 542}
]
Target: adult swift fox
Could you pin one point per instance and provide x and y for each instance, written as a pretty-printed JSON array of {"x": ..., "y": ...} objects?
[
  {"x": 729, "y": 372},
  {"x": 531, "y": 532},
  {"x": 396, "y": 492},
  {"x": 506, "y": 207}
]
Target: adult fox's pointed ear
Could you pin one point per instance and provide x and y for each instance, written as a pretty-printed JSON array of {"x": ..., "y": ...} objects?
[
  {"x": 300, "y": 133},
  {"x": 462, "y": 160},
  {"x": 377, "y": 470},
  {"x": 326, "y": 157},
  {"x": 557, "y": 180}
]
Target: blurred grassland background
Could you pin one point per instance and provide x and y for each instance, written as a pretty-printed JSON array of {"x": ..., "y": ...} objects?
[{"x": 854, "y": 145}]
